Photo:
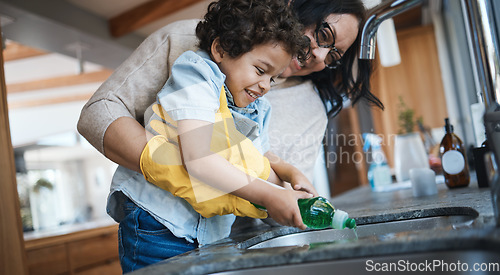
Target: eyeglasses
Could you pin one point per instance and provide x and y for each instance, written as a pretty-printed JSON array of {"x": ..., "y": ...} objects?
[{"x": 325, "y": 38}]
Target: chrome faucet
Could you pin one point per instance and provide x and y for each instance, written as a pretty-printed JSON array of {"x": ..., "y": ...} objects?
[
  {"x": 485, "y": 48},
  {"x": 486, "y": 59},
  {"x": 376, "y": 16}
]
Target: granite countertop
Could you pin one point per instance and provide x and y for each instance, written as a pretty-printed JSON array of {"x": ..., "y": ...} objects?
[{"x": 366, "y": 207}]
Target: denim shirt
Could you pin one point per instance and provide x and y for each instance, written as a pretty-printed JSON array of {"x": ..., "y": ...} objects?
[{"x": 174, "y": 212}]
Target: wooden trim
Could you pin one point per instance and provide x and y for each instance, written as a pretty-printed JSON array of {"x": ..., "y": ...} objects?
[
  {"x": 419, "y": 30},
  {"x": 408, "y": 19},
  {"x": 358, "y": 147},
  {"x": 144, "y": 14},
  {"x": 13, "y": 258},
  {"x": 49, "y": 101},
  {"x": 15, "y": 51},
  {"x": 57, "y": 82},
  {"x": 73, "y": 236}
]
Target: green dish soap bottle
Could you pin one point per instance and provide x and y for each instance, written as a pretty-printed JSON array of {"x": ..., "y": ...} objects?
[{"x": 319, "y": 213}]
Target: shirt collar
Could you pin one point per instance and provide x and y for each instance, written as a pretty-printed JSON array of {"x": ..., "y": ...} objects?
[{"x": 251, "y": 108}]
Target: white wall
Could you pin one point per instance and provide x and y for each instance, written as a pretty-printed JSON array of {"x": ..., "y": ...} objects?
[{"x": 28, "y": 125}]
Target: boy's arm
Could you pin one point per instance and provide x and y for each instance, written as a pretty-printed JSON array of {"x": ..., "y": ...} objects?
[
  {"x": 200, "y": 162},
  {"x": 288, "y": 173}
]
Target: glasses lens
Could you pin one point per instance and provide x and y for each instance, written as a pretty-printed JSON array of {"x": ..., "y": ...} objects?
[
  {"x": 324, "y": 36},
  {"x": 333, "y": 58},
  {"x": 307, "y": 51}
]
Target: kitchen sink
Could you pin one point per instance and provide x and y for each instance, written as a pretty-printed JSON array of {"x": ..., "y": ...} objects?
[
  {"x": 464, "y": 260},
  {"x": 380, "y": 230},
  {"x": 473, "y": 261}
]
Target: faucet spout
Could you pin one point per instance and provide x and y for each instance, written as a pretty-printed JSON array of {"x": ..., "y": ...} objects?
[{"x": 376, "y": 16}]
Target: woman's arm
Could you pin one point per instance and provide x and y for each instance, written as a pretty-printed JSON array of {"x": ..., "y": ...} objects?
[
  {"x": 200, "y": 162},
  {"x": 111, "y": 119},
  {"x": 124, "y": 142}
]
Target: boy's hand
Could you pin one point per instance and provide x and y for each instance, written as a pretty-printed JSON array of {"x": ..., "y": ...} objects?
[{"x": 282, "y": 206}]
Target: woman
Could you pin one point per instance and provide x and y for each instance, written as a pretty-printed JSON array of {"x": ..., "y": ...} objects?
[
  {"x": 298, "y": 123},
  {"x": 111, "y": 120}
]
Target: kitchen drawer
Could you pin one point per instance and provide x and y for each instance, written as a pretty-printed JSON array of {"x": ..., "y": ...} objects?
[
  {"x": 95, "y": 250},
  {"x": 109, "y": 268},
  {"x": 48, "y": 260}
]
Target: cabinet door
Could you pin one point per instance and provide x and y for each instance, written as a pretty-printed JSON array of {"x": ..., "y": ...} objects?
[
  {"x": 109, "y": 268},
  {"x": 93, "y": 251},
  {"x": 48, "y": 260}
]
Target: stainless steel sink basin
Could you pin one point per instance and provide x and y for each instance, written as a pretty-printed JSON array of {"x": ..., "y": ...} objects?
[
  {"x": 381, "y": 230},
  {"x": 442, "y": 262}
]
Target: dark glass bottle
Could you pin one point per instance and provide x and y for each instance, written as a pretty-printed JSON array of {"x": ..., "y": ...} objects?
[
  {"x": 453, "y": 159},
  {"x": 482, "y": 164}
]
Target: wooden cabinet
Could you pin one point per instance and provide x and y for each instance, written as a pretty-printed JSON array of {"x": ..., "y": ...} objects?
[
  {"x": 87, "y": 252},
  {"x": 94, "y": 250},
  {"x": 48, "y": 260},
  {"x": 417, "y": 80},
  {"x": 12, "y": 256},
  {"x": 110, "y": 268}
]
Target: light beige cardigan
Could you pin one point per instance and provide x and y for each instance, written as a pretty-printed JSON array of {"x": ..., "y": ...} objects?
[{"x": 298, "y": 119}]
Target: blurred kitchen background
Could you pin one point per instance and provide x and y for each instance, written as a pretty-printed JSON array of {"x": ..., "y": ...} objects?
[{"x": 58, "y": 52}]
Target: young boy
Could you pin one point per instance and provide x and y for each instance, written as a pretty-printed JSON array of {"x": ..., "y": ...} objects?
[{"x": 209, "y": 168}]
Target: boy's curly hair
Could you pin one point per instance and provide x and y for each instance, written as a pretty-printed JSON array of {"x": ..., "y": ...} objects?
[{"x": 242, "y": 24}]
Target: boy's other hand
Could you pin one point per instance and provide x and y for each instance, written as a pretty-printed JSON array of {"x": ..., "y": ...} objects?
[{"x": 282, "y": 206}]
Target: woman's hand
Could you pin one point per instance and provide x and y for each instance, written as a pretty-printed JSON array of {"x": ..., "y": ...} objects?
[
  {"x": 289, "y": 174},
  {"x": 299, "y": 182}
]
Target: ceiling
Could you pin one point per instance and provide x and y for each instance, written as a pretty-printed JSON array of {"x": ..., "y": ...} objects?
[
  {"x": 58, "y": 52},
  {"x": 106, "y": 31},
  {"x": 148, "y": 18}
]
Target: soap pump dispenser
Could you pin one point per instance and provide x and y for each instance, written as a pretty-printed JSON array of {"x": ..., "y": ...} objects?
[{"x": 453, "y": 159}]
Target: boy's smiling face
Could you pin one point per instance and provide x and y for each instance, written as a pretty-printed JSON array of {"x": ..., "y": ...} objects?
[{"x": 249, "y": 75}]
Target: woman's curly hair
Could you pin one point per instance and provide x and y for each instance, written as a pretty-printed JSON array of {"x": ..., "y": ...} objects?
[{"x": 242, "y": 24}]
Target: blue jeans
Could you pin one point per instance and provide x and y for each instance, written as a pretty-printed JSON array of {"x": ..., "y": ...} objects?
[{"x": 144, "y": 241}]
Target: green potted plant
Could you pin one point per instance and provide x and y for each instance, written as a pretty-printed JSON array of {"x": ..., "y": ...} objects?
[
  {"x": 409, "y": 150},
  {"x": 42, "y": 183},
  {"x": 406, "y": 119}
]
